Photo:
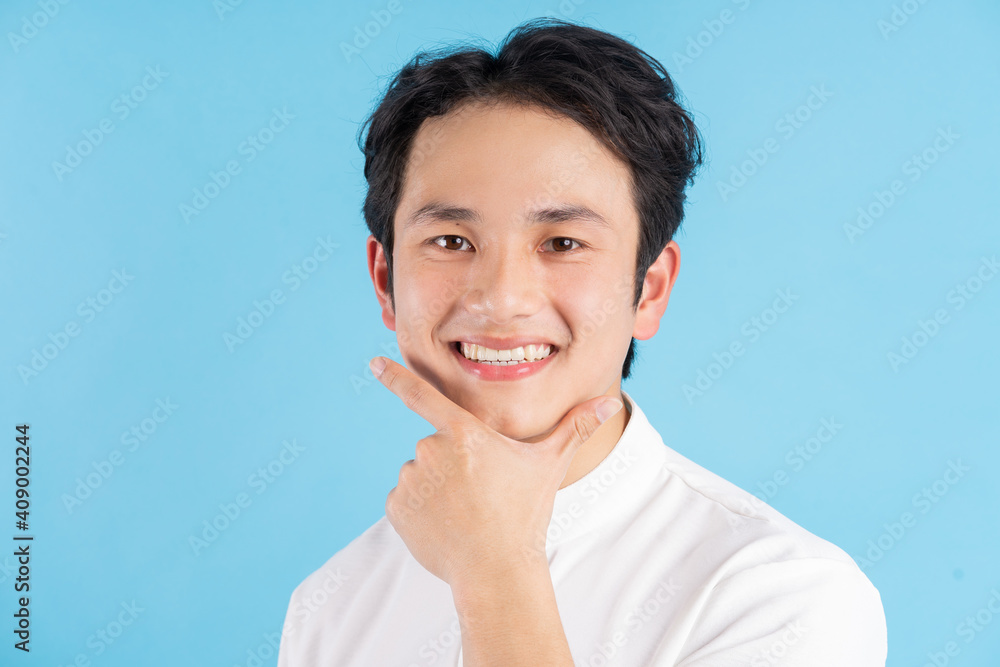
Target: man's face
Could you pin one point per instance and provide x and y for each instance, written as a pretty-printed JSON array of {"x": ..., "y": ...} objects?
[{"x": 502, "y": 270}]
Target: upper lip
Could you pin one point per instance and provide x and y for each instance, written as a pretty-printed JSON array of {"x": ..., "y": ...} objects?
[{"x": 505, "y": 343}]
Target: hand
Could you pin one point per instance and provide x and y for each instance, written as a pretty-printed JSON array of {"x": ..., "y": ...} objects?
[{"x": 473, "y": 501}]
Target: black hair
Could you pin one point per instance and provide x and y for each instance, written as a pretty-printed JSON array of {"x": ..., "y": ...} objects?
[{"x": 617, "y": 91}]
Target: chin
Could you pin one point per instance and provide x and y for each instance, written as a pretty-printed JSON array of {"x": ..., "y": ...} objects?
[
  {"x": 523, "y": 428},
  {"x": 507, "y": 417}
]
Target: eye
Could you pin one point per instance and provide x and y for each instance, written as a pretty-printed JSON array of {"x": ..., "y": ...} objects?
[
  {"x": 562, "y": 243},
  {"x": 449, "y": 237}
]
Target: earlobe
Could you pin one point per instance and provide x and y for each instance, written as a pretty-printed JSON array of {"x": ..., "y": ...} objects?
[
  {"x": 378, "y": 270},
  {"x": 659, "y": 281}
]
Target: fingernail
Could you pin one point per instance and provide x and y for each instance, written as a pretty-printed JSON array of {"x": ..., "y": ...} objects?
[
  {"x": 377, "y": 365},
  {"x": 608, "y": 408}
]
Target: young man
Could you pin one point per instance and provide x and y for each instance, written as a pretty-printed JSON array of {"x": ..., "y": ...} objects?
[{"x": 522, "y": 208}]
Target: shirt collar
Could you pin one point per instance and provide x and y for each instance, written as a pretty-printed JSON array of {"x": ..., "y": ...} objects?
[{"x": 619, "y": 480}]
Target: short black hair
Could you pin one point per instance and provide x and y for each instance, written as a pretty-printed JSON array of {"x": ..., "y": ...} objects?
[{"x": 617, "y": 91}]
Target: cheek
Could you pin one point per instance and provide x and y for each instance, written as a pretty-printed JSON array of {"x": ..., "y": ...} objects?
[
  {"x": 423, "y": 301},
  {"x": 595, "y": 315}
]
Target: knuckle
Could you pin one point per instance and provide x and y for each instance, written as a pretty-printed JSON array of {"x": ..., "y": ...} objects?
[
  {"x": 396, "y": 511},
  {"x": 464, "y": 435},
  {"x": 390, "y": 505},
  {"x": 463, "y": 453},
  {"x": 583, "y": 429},
  {"x": 413, "y": 395},
  {"x": 467, "y": 438},
  {"x": 423, "y": 449},
  {"x": 406, "y": 472},
  {"x": 455, "y": 429}
]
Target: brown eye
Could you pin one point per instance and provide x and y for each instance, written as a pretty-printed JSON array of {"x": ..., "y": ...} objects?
[
  {"x": 450, "y": 240},
  {"x": 563, "y": 243}
]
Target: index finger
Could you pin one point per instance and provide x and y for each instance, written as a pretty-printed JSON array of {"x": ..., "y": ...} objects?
[{"x": 418, "y": 394}]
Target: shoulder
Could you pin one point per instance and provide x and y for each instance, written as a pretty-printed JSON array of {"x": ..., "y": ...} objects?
[
  {"x": 327, "y": 593},
  {"x": 816, "y": 611},
  {"x": 369, "y": 590},
  {"x": 378, "y": 547},
  {"x": 735, "y": 521},
  {"x": 766, "y": 580}
]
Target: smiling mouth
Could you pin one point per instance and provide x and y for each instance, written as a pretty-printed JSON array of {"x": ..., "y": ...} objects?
[{"x": 526, "y": 354}]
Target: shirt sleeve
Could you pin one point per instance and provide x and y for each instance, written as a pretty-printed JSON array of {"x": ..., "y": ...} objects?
[
  {"x": 807, "y": 612},
  {"x": 287, "y": 630}
]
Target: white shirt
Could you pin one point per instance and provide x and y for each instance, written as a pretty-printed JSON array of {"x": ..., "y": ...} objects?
[{"x": 655, "y": 561}]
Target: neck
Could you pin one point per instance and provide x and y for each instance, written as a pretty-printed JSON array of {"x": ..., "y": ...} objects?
[{"x": 598, "y": 446}]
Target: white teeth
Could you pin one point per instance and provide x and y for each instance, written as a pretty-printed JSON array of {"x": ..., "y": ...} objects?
[
  {"x": 536, "y": 352},
  {"x": 488, "y": 355}
]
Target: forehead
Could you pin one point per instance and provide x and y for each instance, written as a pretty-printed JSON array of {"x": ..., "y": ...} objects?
[{"x": 513, "y": 161}]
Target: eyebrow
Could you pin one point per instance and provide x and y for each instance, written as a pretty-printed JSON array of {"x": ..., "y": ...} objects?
[{"x": 436, "y": 212}]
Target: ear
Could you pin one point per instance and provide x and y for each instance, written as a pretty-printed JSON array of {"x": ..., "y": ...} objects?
[
  {"x": 656, "y": 291},
  {"x": 378, "y": 269}
]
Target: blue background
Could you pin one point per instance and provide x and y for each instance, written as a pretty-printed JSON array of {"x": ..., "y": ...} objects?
[{"x": 302, "y": 375}]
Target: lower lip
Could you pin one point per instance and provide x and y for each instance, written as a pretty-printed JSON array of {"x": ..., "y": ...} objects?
[{"x": 491, "y": 372}]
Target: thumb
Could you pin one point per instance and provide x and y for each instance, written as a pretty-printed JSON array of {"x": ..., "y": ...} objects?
[{"x": 583, "y": 421}]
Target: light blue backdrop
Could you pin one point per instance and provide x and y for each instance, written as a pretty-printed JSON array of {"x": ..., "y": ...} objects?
[{"x": 116, "y": 305}]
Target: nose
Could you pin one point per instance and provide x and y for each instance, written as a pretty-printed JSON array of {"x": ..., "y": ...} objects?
[{"x": 503, "y": 284}]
